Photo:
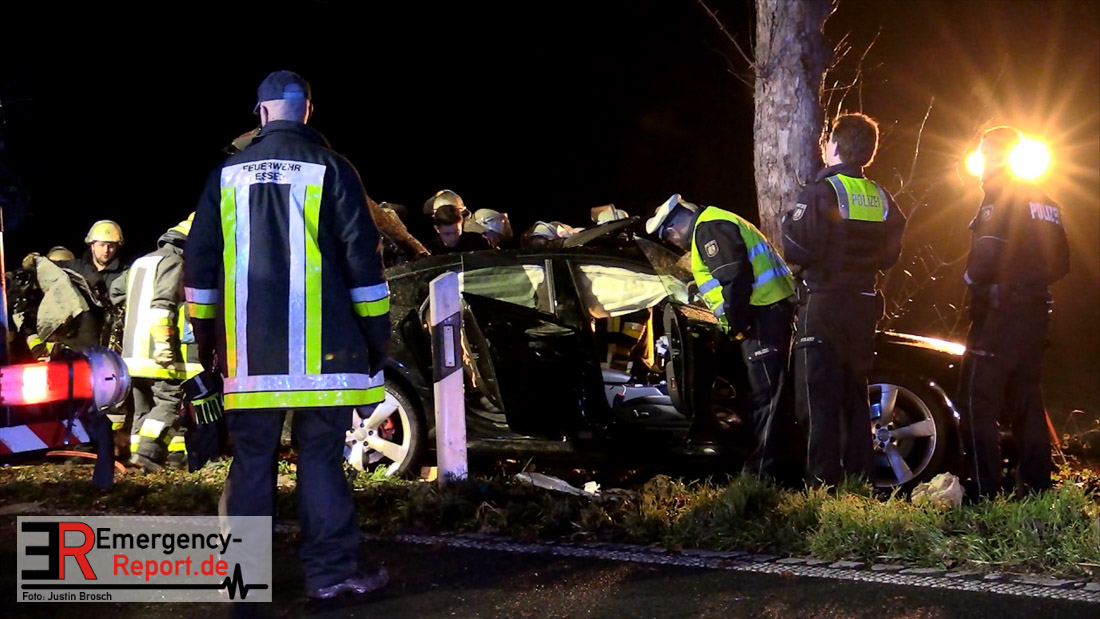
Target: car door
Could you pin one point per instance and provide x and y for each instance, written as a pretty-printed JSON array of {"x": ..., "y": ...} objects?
[{"x": 538, "y": 363}]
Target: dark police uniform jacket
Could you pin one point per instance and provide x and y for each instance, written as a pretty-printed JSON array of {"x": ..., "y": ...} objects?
[
  {"x": 836, "y": 253},
  {"x": 283, "y": 264},
  {"x": 1018, "y": 244}
]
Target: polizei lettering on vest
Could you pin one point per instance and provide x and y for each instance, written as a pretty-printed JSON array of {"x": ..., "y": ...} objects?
[
  {"x": 870, "y": 201},
  {"x": 1046, "y": 212}
]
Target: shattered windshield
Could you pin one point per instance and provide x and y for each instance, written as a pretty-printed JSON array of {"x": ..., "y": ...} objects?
[{"x": 674, "y": 271}]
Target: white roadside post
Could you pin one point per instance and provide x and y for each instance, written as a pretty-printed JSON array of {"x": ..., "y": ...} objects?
[{"x": 450, "y": 406}]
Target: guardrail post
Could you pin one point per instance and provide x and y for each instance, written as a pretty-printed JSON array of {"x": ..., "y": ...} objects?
[{"x": 445, "y": 316}]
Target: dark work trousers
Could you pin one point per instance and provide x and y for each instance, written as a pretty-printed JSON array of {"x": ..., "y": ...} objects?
[
  {"x": 156, "y": 428},
  {"x": 1000, "y": 384},
  {"x": 833, "y": 352},
  {"x": 330, "y": 531},
  {"x": 766, "y": 351}
]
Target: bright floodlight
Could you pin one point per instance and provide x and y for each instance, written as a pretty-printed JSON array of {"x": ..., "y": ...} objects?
[
  {"x": 975, "y": 163},
  {"x": 1029, "y": 159}
]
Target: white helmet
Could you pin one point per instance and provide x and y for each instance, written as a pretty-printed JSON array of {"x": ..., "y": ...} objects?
[
  {"x": 490, "y": 220},
  {"x": 610, "y": 214},
  {"x": 443, "y": 197}
]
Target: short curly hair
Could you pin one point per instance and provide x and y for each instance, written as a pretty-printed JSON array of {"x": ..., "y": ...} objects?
[{"x": 856, "y": 137}]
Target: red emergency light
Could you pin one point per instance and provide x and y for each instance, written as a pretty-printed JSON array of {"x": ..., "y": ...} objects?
[
  {"x": 98, "y": 375},
  {"x": 38, "y": 383}
]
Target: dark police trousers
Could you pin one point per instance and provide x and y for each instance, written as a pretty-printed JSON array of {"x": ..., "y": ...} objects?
[
  {"x": 833, "y": 353},
  {"x": 1000, "y": 384},
  {"x": 766, "y": 351},
  {"x": 329, "y": 529}
]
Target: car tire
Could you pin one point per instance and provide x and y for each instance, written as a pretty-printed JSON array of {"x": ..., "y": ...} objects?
[
  {"x": 912, "y": 430},
  {"x": 391, "y": 435}
]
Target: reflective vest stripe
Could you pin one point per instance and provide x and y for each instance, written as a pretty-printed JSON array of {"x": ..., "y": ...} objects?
[
  {"x": 709, "y": 285},
  {"x": 201, "y": 296},
  {"x": 313, "y": 279},
  {"x": 139, "y": 299},
  {"x": 229, "y": 263},
  {"x": 201, "y": 303},
  {"x": 304, "y": 292},
  {"x": 197, "y": 310},
  {"x": 859, "y": 199},
  {"x": 315, "y": 382},
  {"x": 371, "y": 300},
  {"x": 298, "y": 399},
  {"x": 372, "y": 308}
]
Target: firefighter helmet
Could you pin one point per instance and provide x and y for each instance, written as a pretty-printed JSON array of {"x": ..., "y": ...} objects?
[
  {"x": 106, "y": 231},
  {"x": 490, "y": 220},
  {"x": 445, "y": 196},
  {"x": 59, "y": 253}
]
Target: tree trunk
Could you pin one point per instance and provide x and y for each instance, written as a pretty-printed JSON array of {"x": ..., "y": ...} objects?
[{"x": 792, "y": 56}]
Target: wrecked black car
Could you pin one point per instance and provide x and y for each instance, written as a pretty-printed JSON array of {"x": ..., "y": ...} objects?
[{"x": 541, "y": 377}]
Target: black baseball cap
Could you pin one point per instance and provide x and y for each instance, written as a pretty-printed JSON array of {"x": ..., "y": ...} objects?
[{"x": 282, "y": 85}]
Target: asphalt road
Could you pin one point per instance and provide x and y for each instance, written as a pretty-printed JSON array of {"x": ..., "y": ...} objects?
[{"x": 442, "y": 581}]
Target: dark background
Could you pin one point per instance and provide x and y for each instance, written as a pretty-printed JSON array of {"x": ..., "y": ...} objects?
[{"x": 545, "y": 109}]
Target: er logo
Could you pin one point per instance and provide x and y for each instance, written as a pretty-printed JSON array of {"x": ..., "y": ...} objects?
[{"x": 56, "y": 550}]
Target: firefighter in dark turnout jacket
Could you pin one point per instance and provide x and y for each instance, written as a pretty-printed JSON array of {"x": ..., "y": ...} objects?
[
  {"x": 844, "y": 229},
  {"x": 749, "y": 288},
  {"x": 159, "y": 350},
  {"x": 1018, "y": 249},
  {"x": 284, "y": 278}
]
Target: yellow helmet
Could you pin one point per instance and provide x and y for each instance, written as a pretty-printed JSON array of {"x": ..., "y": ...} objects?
[
  {"x": 184, "y": 227},
  {"x": 104, "y": 230}
]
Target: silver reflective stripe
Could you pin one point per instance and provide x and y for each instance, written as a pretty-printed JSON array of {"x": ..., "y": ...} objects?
[
  {"x": 370, "y": 293},
  {"x": 141, "y": 312},
  {"x": 311, "y": 382},
  {"x": 709, "y": 285},
  {"x": 842, "y": 195},
  {"x": 885, "y": 202},
  {"x": 296, "y": 300},
  {"x": 201, "y": 296},
  {"x": 304, "y": 175}
]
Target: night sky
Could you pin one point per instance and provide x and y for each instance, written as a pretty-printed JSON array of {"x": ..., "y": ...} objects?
[{"x": 545, "y": 109}]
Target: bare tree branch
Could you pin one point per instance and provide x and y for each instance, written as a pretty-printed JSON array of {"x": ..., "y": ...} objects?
[
  {"x": 722, "y": 27},
  {"x": 916, "y": 148}
]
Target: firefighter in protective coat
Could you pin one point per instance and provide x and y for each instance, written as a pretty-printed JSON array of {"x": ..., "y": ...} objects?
[
  {"x": 159, "y": 350},
  {"x": 1018, "y": 249},
  {"x": 286, "y": 291},
  {"x": 749, "y": 288},
  {"x": 844, "y": 229}
]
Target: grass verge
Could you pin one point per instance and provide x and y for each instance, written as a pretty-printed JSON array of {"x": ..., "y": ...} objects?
[{"x": 1056, "y": 533}]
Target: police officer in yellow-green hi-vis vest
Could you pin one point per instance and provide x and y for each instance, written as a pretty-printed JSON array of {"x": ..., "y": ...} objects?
[
  {"x": 843, "y": 230},
  {"x": 749, "y": 288},
  {"x": 159, "y": 351}
]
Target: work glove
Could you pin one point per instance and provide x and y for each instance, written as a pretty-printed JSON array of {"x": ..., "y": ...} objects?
[
  {"x": 208, "y": 409},
  {"x": 163, "y": 352}
]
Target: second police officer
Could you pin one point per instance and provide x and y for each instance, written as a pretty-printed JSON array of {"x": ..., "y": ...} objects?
[{"x": 844, "y": 229}]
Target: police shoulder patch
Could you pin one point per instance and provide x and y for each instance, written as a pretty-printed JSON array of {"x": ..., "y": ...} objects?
[
  {"x": 711, "y": 248},
  {"x": 799, "y": 211}
]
